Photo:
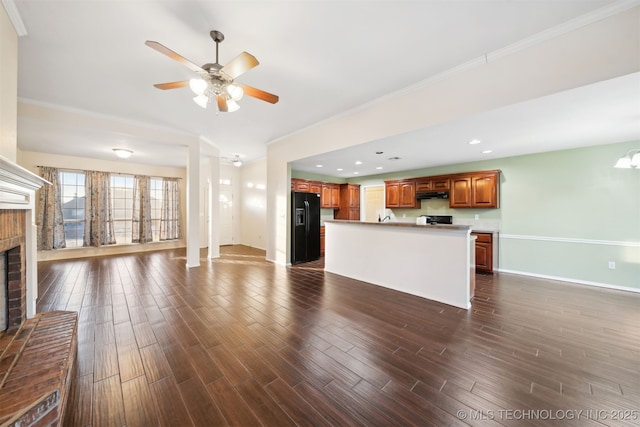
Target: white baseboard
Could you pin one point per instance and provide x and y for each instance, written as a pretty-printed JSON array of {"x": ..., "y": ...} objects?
[{"x": 569, "y": 280}]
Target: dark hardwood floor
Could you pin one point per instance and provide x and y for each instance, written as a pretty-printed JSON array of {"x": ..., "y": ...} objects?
[{"x": 240, "y": 341}]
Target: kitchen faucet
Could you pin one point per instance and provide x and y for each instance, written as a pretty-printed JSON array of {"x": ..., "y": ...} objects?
[{"x": 386, "y": 218}]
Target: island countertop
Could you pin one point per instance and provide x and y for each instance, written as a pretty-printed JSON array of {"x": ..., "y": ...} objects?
[
  {"x": 431, "y": 261},
  {"x": 404, "y": 224}
]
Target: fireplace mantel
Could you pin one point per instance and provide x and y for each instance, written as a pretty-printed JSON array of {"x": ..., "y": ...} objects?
[
  {"x": 18, "y": 186},
  {"x": 18, "y": 192}
]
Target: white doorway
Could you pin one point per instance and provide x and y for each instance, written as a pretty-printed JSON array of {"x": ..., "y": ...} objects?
[
  {"x": 226, "y": 216},
  {"x": 373, "y": 202}
]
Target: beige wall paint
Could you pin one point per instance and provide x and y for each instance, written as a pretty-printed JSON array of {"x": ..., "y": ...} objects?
[
  {"x": 8, "y": 87},
  {"x": 567, "y": 61}
]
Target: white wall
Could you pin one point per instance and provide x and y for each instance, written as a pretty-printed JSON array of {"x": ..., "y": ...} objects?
[
  {"x": 8, "y": 87},
  {"x": 567, "y": 61},
  {"x": 253, "y": 201}
]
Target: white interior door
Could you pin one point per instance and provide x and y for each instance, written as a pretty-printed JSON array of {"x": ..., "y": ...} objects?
[
  {"x": 226, "y": 216},
  {"x": 373, "y": 203}
]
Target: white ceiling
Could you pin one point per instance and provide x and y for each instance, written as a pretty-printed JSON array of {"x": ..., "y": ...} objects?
[{"x": 321, "y": 57}]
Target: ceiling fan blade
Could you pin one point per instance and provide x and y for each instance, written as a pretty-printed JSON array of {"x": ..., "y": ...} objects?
[
  {"x": 260, "y": 94},
  {"x": 239, "y": 65},
  {"x": 222, "y": 103},
  {"x": 176, "y": 57},
  {"x": 172, "y": 85}
]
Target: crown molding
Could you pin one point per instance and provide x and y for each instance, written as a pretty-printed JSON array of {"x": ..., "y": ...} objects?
[{"x": 14, "y": 16}]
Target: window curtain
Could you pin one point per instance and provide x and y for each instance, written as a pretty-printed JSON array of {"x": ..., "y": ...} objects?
[
  {"x": 50, "y": 221},
  {"x": 170, "y": 212},
  {"x": 98, "y": 217},
  {"x": 141, "y": 230}
]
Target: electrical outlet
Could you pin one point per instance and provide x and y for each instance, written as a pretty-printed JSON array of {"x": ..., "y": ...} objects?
[
  {"x": 612, "y": 265},
  {"x": 476, "y": 216}
]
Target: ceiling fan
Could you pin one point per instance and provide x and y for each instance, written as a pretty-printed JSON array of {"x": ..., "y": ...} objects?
[{"x": 216, "y": 81}]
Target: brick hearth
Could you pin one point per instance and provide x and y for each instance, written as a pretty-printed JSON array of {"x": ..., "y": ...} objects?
[{"x": 36, "y": 366}]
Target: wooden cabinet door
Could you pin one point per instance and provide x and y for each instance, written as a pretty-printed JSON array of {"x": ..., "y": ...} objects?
[
  {"x": 325, "y": 196},
  {"x": 392, "y": 194},
  {"x": 321, "y": 241},
  {"x": 423, "y": 186},
  {"x": 484, "y": 191},
  {"x": 315, "y": 187},
  {"x": 440, "y": 184},
  {"x": 354, "y": 196},
  {"x": 408, "y": 195},
  {"x": 460, "y": 192},
  {"x": 484, "y": 252},
  {"x": 335, "y": 196},
  {"x": 301, "y": 185}
]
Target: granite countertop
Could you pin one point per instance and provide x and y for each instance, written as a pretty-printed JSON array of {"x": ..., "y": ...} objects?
[{"x": 403, "y": 224}]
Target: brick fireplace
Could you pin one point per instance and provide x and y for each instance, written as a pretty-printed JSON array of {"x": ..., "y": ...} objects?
[
  {"x": 12, "y": 268},
  {"x": 18, "y": 242},
  {"x": 37, "y": 350}
]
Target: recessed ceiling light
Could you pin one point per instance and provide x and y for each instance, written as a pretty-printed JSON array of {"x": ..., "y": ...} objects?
[
  {"x": 358, "y": 162},
  {"x": 339, "y": 169},
  {"x": 356, "y": 173},
  {"x": 379, "y": 167},
  {"x": 487, "y": 151},
  {"x": 474, "y": 142},
  {"x": 318, "y": 166}
]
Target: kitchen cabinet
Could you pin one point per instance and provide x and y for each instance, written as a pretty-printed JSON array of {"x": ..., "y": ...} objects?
[
  {"x": 301, "y": 185},
  {"x": 330, "y": 196},
  {"x": 432, "y": 183},
  {"x": 400, "y": 194},
  {"x": 474, "y": 190},
  {"x": 315, "y": 187},
  {"x": 484, "y": 252},
  {"x": 335, "y": 196},
  {"x": 322, "y": 241},
  {"x": 329, "y": 193},
  {"x": 349, "y": 202}
]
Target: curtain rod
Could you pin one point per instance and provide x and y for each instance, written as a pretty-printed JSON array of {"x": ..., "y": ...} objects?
[{"x": 112, "y": 173}]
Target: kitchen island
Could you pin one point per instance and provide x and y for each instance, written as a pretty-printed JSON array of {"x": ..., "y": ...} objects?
[{"x": 431, "y": 261}]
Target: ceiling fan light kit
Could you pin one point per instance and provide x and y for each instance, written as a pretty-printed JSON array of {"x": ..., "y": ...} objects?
[{"x": 216, "y": 81}]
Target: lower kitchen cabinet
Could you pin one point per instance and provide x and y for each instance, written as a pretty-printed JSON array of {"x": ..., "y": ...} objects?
[
  {"x": 322, "y": 241},
  {"x": 484, "y": 252}
]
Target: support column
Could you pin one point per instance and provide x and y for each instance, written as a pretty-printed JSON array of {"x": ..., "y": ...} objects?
[
  {"x": 214, "y": 208},
  {"x": 193, "y": 205}
]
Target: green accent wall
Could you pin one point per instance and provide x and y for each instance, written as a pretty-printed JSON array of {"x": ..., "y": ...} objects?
[{"x": 563, "y": 214}]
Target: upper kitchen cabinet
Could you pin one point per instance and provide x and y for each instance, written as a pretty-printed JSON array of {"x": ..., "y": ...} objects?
[
  {"x": 432, "y": 183},
  {"x": 301, "y": 185},
  {"x": 400, "y": 194},
  {"x": 475, "y": 190},
  {"x": 330, "y": 196},
  {"x": 349, "y": 202}
]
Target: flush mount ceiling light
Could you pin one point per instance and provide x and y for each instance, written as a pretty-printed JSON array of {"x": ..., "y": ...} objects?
[
  {"x": 123, "y": 153},
  {"x": 629, "y": 160},
  {"x": 236, "y": 161},
  {"x": 216, "y": 82}
]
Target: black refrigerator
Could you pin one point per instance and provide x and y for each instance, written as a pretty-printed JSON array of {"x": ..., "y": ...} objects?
[{"x": 305, "y": 227}]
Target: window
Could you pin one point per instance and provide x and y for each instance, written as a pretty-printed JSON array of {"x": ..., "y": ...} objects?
[
  {"x": 122, "y": 206},
  {"x": 73, "y": 196}
]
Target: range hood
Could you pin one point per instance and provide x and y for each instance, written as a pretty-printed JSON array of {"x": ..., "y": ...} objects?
[{"x": 433, "y": 195}]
